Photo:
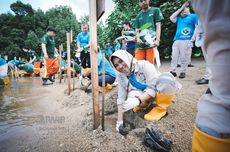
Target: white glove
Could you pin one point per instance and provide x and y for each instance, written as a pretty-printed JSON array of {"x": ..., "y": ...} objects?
[
  {"x": 80, "y": 78},
  {"x": 118, "y": 124},
  {"x": 130, "y": 103}
]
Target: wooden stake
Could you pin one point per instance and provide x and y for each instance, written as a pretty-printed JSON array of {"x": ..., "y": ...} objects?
[
  {"x": 93, "y": 58},
  {"x": 73, "y": 76},
  {"x": 68, "y": 62},
  {"x": 103, "y": 93},
  {"x": 60, "y": 52}
]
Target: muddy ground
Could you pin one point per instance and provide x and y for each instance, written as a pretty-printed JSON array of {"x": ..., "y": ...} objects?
[{"x": 72, "y": 127}]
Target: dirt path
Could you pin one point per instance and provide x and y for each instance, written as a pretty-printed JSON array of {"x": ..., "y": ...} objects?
[{"x": 71, "y": 127}]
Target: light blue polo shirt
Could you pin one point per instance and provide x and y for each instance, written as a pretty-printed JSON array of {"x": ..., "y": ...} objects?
[
  {"x": 83, "y": 39},
  {"x": 185, "y": 27},
  {"x": 108, "y": 68},
  {"x": 2, "y": 61}
]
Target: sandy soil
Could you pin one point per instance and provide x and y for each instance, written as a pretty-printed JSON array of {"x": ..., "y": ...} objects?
[{"x": 74, "y": 131}]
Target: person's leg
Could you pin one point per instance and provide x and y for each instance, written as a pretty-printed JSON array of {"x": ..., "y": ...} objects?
[
  {"x": 140, "y": 54},
  {"x": 88, "y": 60},
  {"x": 56, "y": 66},
  {"x": 184, "y": 49},
  {"x": 108, "y": 79},
  {"x": 48, "y": 67},
  {"x": 207, "y": 74},
  {"x": 83, "y": 59},
  {"x": 175, "y": 57},
  {"x": 214, "y": 106},
  {"x": 150, "y": 55},
  {"x": 189, "y": 55}
]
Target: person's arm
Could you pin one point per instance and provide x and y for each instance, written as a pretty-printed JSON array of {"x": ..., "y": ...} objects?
[
  {"x": 158, "y": 35},
  {"x": 56, "y": 51},
  {"x": 34, "y": 58},
  {"x": 151, "y": 76},
  {"x": 122, "y": 92},
  {"x": 44, "y": 51},
  {"x": 87, "y": 46},
  {"x": 139, "y": 41},
  {"x": 173, "y": 17},
  {"x": 120, "y": 37},
  {"x": 130, "y": 39}
]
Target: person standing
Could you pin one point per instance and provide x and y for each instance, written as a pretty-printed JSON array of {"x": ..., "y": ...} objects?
[
  {"x": 148, "y": 22},
  {"x": 212, "y": 127},
  {"x": 48, "y": 54},
  {"x": 186, "y": 23},
  {"x": 199, "y": 37},
  {"x": 130, "y": 35},
  {"x": 83, "y": 44}
]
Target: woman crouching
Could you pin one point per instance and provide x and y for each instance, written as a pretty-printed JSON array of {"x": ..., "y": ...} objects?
[{"x": 139, "y": 84}]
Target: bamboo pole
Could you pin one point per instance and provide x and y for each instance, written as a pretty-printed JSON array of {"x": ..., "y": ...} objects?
[
  {"x": 93, "y": 58},
  {"x": 60, "y": 60},
  {"x": 73, "y": 76},
  {"x": 68, "y": 62},
  {"x": 103, "y": 93}
]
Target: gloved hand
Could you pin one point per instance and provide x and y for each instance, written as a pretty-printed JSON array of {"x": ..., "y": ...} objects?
[
  {"x": 80, "y": 78},
  {"x": 130, "y": 103},
  {"x": 118, "y": 124}
]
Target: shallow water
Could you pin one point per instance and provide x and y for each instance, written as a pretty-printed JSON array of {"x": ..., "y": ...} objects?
[{"x": 24, "y": 107}]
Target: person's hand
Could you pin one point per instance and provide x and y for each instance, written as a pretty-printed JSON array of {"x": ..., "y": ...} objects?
[
  {"x": 118, "y": 124},
  {"x": 79, "y": 50},
  {"x": 186, "y": 4},
  {"x": 130, "y": 103},
  {"x": 46, "y": 56},
  {"x": 156, "y": 43},
  {"x": 139, "y": 41}
]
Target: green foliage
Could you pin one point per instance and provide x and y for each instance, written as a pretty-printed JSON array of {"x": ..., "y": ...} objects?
[
  {"x": 127, "y": 11},
  {"x": 27, "y": 26}
]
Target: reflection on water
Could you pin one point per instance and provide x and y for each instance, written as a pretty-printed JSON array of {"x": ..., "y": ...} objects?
[{"x": 18, "y": 110}]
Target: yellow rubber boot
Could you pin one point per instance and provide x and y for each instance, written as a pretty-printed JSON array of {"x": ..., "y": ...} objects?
[
  {"x": 163, "y": 101},
  {"x": 202, "y": 142},
  {"x": 108, "y": 87},
  {"x": 140, "y": 107}
]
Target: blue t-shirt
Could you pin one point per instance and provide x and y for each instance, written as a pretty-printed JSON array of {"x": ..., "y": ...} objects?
[
  {"x": 108, "y": 68},
  {"x": 117, "y": 46},
  {"x": 110, "y": 51},
  {"x": 185, "y": 27},
  {"x": 130, "y": 46},
  {"x": 83, "y": 39},
  {"x": 15, "y": 62},
  {"x": 2, "y": 61}
]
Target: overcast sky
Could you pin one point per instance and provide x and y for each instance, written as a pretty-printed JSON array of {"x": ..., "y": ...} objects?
[{"x": 80, "y": 7}]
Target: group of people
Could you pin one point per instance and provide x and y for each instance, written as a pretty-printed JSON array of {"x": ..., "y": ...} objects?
[{"x": 140, "y": 83}]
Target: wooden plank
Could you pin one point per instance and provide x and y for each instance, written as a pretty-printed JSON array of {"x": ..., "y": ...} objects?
[
  {"x": 60, "y": 60},
  {"x": 68, "y": 62},
  {"x": 103, "y": 93},
  {"x": 93, "y": 58},
  {"x": 74, "y": 72},
  {"x": 100, "y": 8}
]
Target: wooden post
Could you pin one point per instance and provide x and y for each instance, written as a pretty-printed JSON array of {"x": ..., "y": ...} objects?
[
  {"x": 60, "y": 60},
  {"x": 73, "y": 76},
  {"x": 103, "y": 93},
  {"x": 93, "y": 58},
  {"x": 68, "y": 62},
  {"x": 16, "y": 69},
  {"x": 71, "y": 35}
]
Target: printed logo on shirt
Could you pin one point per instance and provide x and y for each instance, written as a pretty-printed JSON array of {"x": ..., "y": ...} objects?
[
  {"x": 186, "y": 31},
  {"x": 151, "y": 14}
]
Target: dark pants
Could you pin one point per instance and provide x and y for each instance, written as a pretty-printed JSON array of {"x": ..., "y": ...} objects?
[
  {"x": 85, "y": 59},
  {"x": 108, "y": 79}
]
